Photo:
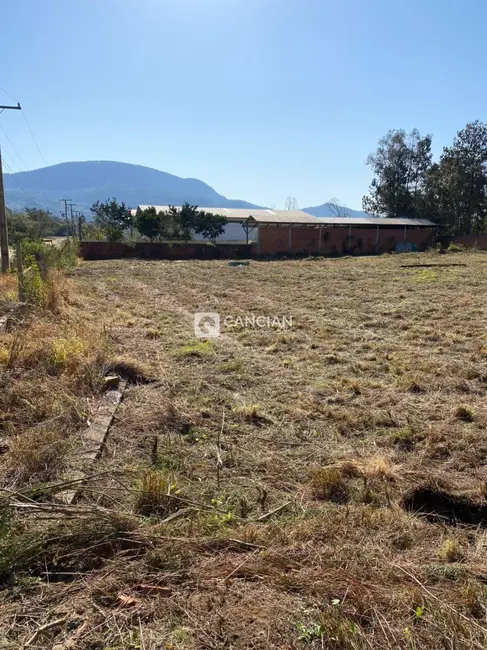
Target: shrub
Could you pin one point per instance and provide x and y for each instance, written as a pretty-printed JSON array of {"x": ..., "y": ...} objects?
[
  {"x": 327, "y": 483},
  {"x": 451, "y": 551},
  {"x": 465, "y": 413},
  {"x": 40, "y": 285},
  {"x": 31, "y": 283},
  {"x": 455, "y": 248},
  {"x": 62, "y": 257},
  {"x": 155, "y": 495}
]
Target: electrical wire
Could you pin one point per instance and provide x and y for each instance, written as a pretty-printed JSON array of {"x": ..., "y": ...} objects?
[
  {"x": 28, "y": 126},
  {"x": 4, "y": 152},
  {"x": 3, "y": 90},
  {"x": 12, "y": 174},
  {"x": 13, "y": 147},
  {"x": 33, "y": 137}
]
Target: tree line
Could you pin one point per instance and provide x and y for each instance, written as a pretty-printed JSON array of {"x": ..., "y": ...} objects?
[
  {"x": 114, "y": 220},
  {"x": 452, "y": 191},
  {"x": 34, "y": 223}
]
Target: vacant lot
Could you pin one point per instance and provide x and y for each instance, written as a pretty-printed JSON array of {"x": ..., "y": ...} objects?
[{"x": 254, "y": 492}]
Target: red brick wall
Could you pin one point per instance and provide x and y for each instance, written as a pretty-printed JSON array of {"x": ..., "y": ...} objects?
[
  {"x": 275, "y": 240},
  {"x": 102, "y": 250}
]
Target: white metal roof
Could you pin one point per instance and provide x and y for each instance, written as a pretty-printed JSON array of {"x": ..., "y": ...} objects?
[
  {"x": 374, "y": 221},
  {"x": 262, "y": 216}
]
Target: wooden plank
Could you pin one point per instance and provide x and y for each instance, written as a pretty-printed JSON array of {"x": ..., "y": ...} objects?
[{"x": 95, "y": 436}]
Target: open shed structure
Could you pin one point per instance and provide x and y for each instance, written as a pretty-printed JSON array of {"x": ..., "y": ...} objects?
[
  {"x": 294, "y": 232},
  {"x": 348, "y": 235}
]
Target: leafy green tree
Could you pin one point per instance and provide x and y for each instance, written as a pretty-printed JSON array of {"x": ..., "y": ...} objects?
[
  {"x": 90, "y": 231},
  {"x": 34, "y": 223},
  {"x": 112, "y": 217},
  {"x": 210, "y": 226},
  {"x": 150, "y": 223},
  {"x": 400, "y": 166},
  {"x": 180, "y": 223},
  {"x": 188, "y": 220}
]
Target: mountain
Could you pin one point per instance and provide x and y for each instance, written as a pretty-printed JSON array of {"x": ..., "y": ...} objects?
[
  {"x": 324, "y": 211},
  {"x": 87, "y": 182}
]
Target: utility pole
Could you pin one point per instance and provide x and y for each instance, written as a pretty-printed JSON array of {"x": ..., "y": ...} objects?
[
  {"x": 66, "y": 201},
  {"x": 80, "y": 224},
  {"x": 4, "y": 251},
  {"x": 73, "y": 227}
]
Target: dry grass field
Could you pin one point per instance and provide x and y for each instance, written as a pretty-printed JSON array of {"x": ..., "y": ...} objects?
[{"x": 319, "y": 486}]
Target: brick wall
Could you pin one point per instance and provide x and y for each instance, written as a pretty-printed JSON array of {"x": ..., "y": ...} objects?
[
  {"x": 336, "y": 241},
  {"x": 272, "y": 241},
  {"x": 102, "y": 250}
]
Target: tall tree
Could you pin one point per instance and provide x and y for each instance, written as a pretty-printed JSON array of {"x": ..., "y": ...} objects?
[
  {"x": 210, "y": 226},
  {"x": 457, "y": 185},
  {"x": 112, "y": 217},
  {"x": 400, "y": 166},
  {"x": 150, "y": 223}
]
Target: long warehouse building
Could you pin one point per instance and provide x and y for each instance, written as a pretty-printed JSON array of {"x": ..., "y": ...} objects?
[{"x": 294, "y": 232}]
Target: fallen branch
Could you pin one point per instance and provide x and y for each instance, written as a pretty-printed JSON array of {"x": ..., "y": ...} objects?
[
  {"x": 43, "y": 628},
  {"x": 417, "y": 266},
  {"x": 273, "y": 512}
]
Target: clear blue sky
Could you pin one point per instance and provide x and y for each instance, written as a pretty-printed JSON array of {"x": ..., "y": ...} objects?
[{"x": 258, "y": 98}]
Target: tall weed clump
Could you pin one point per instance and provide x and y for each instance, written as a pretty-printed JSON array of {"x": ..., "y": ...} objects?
[{"x": 44, "y": 265}]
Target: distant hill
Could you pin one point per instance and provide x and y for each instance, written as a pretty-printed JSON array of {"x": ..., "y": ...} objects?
[
  {"x": 87, "y": 182},
  {"x": 324, "y": 211}
]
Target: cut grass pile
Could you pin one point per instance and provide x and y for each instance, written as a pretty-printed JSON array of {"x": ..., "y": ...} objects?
[{"x": 262, "y": 491}]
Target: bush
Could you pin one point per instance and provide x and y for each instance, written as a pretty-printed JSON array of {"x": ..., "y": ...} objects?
[
  {"x": 41, "y": 262},
  {"x": 32, "y": 285},
  {"x": 328, "y": 484},
  {"x": 62, "y": 257},
  {"x": 465, "y": 413},
  {"x": 455, "y": 248},
  {"x": 155, "y": 495}
]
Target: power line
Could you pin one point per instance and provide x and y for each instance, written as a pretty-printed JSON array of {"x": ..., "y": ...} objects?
[
  {"x": 28, "y": 125},
  {"x": 15, "y": 100},
  {"x": 6, "y": 153},
  {"x": 12, "y": 174},
  {"x": 20, "y": 158},
  {"x": 35, "y": 141},
  {"x": 13, "y": 147}
]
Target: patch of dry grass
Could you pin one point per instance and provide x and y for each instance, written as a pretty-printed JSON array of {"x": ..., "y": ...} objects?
[
  {"x": 293, "y": 449},
  {"x": 50, "y": 371}
]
